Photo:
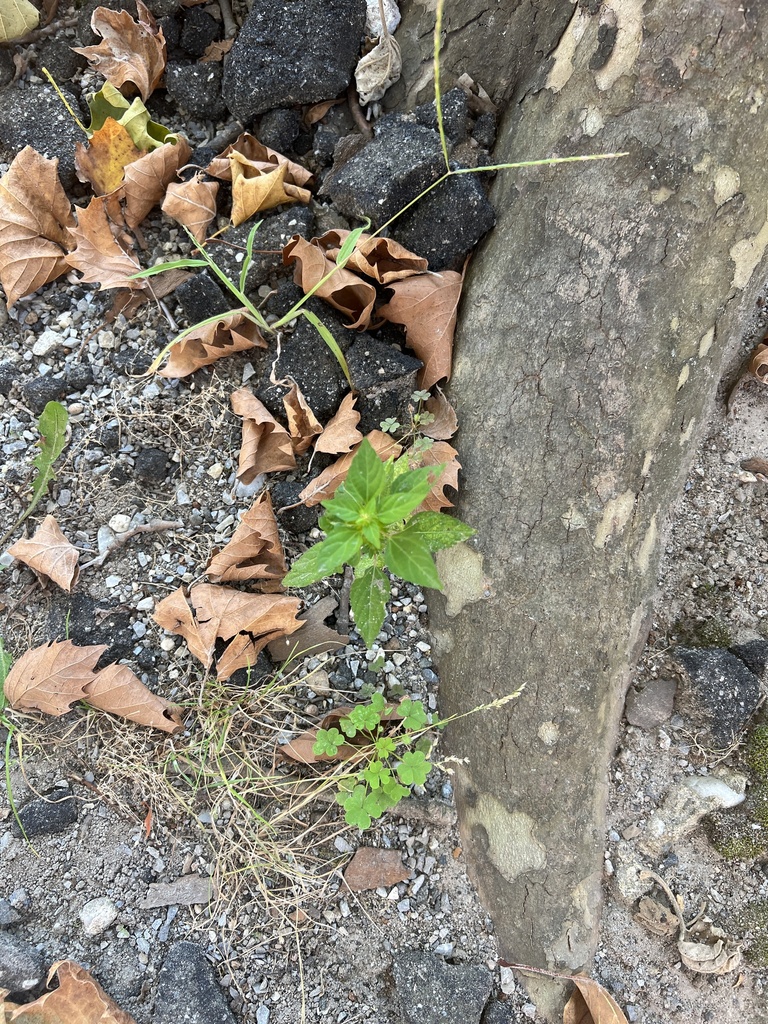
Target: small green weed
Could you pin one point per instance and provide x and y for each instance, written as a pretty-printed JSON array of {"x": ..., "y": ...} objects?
[{"x": 10, "y": 729}]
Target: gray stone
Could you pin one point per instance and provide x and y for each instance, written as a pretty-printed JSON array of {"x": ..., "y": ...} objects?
[
  {"x": 434, "y": 992},
  {"x": 385, "y": 379},
  {"x": 47, "y": 815},
  {"x": 719, "y": 693},
  {"x": 97, "y": 915},
  {"x": 22, "y": 967},
  {"x": 37, "y": 117},
  {"x": 684, "y": 805},
  {"x": 187, "y": 990},
  {"x": 196, "y": 89},
  {"x": 8, "y": 915},
  {"x": 651, "y": 704},
  {"x": 9, "y": 374},
  {"x": 298, "y": 51},
  {"x": 279, "y": 129}
]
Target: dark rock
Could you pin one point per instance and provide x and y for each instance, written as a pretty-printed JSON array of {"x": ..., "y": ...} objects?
[
  {"x": 196, "y": 89},
  {"x": 151, "y": 465},
  {"x": 7, "y": 68},
  {"x": 447, "y": 223},
  {"x": 484, "y": 130},
  {"x": 8, "y": 915},
  {"x": 46, "y": 816},
  {"x": 434, "y": 992},
  {"x": 201, "y": 297},
  {"x": 85, "y": 622},
  {"x": 188, "y": 991},
  {"x": 161, "y": 8},
  {"x": 255, "y": 674},
  {"x": 22, "y": 967},
  {"x": 279, "y": 129},
  {"x": 171, "y": 30},
  {"x": 61, "y": 60},
  {"x": 651, "y": 704},
  {"x": 284, "y": 298},
  {"x": 754, "y": 654},
  {"x": 128, "y": 360},
  {"x": 300, "y": 51},
  {"x": 385, "y": 378},
  {"x": 38, "y": 392},
  {"x": 497, "y": 1012},
  {"x": 200, "y": 157},
  {"x": 109, "y": 439},
  {"x": 455, "y": 115},
  {"x": 324, "y": 145},
  {"x": 198, "y": 32},
  {"x": 394, "y": 168},
  {"x": 275, "y": 232},
  {"x": 295, "y": 520},
  {"x": 721, "y": 693},
  {"x": 79, "y": 376},
  {"x": 10, "y": 373},
  {"x": 37, "y": 117}
]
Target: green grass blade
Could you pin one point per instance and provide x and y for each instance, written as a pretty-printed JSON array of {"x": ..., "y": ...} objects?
[
  {"x": 438, "y": 97},
  {"x": 330, "y": 341},
  {"x": 348, "y": 246},
  {"x": 248, "y": 259},
  {"x": 228, "y": 284},
  {"x": 160, "y": 268}
]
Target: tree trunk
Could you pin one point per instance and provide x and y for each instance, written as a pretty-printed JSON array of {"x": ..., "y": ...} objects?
[{"x": 594, "y": 323}]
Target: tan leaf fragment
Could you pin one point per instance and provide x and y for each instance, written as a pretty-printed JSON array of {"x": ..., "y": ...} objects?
[
  {"x": 249, "y": 621},
  {"x": 128, "y": 302},
  {"x": 216, "y": 51},
  {"x": 119, "y": 691},
  {"x": 343, "y": 290},
  {"x": 383, "y": 259},
  {"x": 49, "y": 552},
  {"x": 265, "y": 159},
  {"x": 318, "y": 111},
  {"x": 98, "y": 256},
  {"x": 758, "y": 364},
  {"x": 324, "y": 485},
  {"x": 36, "y": 225},
  {"x": 255, "y": 190},
  {"x": 52, "y": 677},
  {"x": 192, "y": 203},
  {"x": 592, "y": 1004},
  {"x": 341, "y": 433},
  {"x": 315, "y": 637},
  {"x": 441, "y": 453},
  {"x": 181, "y": 892},
  {"x": 379, "y": 69},
  {"x": 254, "y": 551},
  {"x": 372, "y": 867},
  {"x": 147, "y": 179},
  {"x": 427, "y": 306},
  {"x": 79, "y": 999},
  {"x": 103, "y": 161},
  {"x": 445, "y": 424},
  {"x": 130, "y": 51},
  {"x": 303, "y": 426},
  {"x": 266, "y": 446},
  {"x": 234, "y": 332}
]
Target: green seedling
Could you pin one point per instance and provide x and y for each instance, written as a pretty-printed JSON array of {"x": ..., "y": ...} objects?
[
  {"x": 52, "y": 426},
  {"x": 10, "y": 731},
  {"x": 370, "y": 524}
]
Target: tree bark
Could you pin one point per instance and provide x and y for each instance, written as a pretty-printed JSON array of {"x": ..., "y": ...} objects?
[{"x": 593, "y": 328}]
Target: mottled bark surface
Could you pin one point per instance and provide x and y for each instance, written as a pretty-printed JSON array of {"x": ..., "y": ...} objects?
[{"x": 594, "y": 324}]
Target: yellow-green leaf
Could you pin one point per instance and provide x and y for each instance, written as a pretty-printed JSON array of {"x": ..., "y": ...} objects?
[{"x": 17, "y": 18}]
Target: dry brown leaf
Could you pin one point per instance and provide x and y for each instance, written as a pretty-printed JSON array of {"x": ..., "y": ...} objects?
[
  {"x": 325, "y": 483},
  {"x": 372, "y": 867},
  {"x": 103, "y": 161},
  {"x": 266, "y": 159},
  {"x": 758, "y": 364},
  {"x": 36, "y": 225},
  {"x": 383, "y": 259},
  {"x": 441, "y": 453},
  {"x": 216, "y": 51},
  {"x": 119, "y": 691},
  {"x": 378, "y": 69},
  {"x": 49, "y": 552},
  {"x": 249, "y": 621},
  {"x": 192, "y": 203},
  {"x": 315, "y": 637},
  {"x": 98, "y": 256},
  {"x": 302, "y": 423},
  {"x": 128, "y": 302},
  {"x": 427, "y": 305},
  {"x": 234, "y": 332},
  {"x": 344, "y": 291},
  {"x": 318, "y": 111},
  {"x": 79, "y": 999},
  {"x": 255, "y": 551},
  {"x": 148, "y": 178},
  {"x": 445, "y": 424},
  {"x": 129, "y": 51},
  {"x": 255, "y": 190},
  {"x": 592, "y": 1004},
  {"x": 341, "y": 433},
  {"x": 266, "y": 446},
  {"x": 52, "y": 677}
]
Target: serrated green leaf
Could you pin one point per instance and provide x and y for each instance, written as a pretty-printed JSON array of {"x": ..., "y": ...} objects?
[
  {"x": 437, "y": 530},
  {"x": 366, "y": 474},
  {"x": 323, "y": 559},
  {"x": 405, "y": 494},
  {"x": 53, "y": 436},
  {"x": 368, "y": 598},
  {"x": 408, "y": 557}
]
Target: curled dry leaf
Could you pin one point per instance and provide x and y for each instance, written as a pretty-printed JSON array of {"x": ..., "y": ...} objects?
[
  {"x": 36, "y": 225},
  {"x": 119, "y": 691},
  {"x": 52, "y": 677},
  {"x": 266, "y": 446},
  {"x": 255, "y": 551},
  {"x": 344, "y": 290},
  {"x": 130, "y": 51},
  {"x": 147, "y": 179},
  {"x": 49, "y": 552},
  {"x": 441, "y": 453},
  {"x": 324, "y": 485},
  {"x": 103, "y": 161},
  {"x": 192, "y": 203},
  {"x": 254, "y": 189},
  {"x": 234, "y": 332},
  {"x": 78, "y": 999},
  {"x": 97, "y": 255},
  {"x": 216, "y": 51},
  {"x": 210, "y": 613},
  {"x": 341, "y": 434},
  {"x": 247, "y": 146},
  {"x": 383, "y": 259},
  {"x": 379, "y": 69},
  {"x": 372, "y": 867},
  {"x": 318, "y": 111},
  {"x": 592, "y": 1004},
  {"x": 302, "y": 423},
  {"x": 758, "y": 364},
  {"x": 315, "y": 637},
  {"x": 427, "y": 305},
  {"x": 445, "y": 424}
]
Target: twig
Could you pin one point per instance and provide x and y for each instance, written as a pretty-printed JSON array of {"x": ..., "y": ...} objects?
[
  {"x": 342, "y": 615},
  {"x": 123, "y": 538},
  {"x": 226, "y": 136},
  {"x": 230, "y": 28},
  {"x": 357, "y": 114}
]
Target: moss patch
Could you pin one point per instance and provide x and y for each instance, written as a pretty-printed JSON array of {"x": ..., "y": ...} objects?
[
  {"x": 756, "y": 752},
  {"x": 735, "y": 836}
]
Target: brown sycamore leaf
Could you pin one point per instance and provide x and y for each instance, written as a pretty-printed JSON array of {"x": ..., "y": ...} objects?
[
  {"x": 103, "y": 161},
  {"x": 383, "y": 259},
  {"x": 427, "y": 305},
  {"x": 314, "y": 638},
  {"x": 255, "y": 551},
  {"x": 36, "y": 225},
  {"x": 758, "y": 364},
  {"x": 119, "y": 691},
  {"x": 98, "y": 256},
  {"x": 324, "y": 485},
  {"x": 129, "y": 51},
  {"x": 52, "y": 677},
  {"x": 216, "y": 51},
  {"x": 266, "y": 446},
  {"x": 344, "y": 290},
  {"x": 209, "y": 613},
  {"x": 341, "y": 433},
  {"x": 254, "y": 190},
  {"x": 302, "y": 423},
  {"x": 592, "y": 1004},
  {"x": 372, "y": 867},
  {"x": 445, "y": 424},
  {"x": 192, "y": 203},
  {"x": 247, "y": 146},
  {"x": 78, "y": 999},
  {"x": 441, "y": 453},
  {"x": 49, "y": 552},
  {"x": 318, "y": 111},
  {"x": 233, "y": 332},
  {"x": 147, "y": 179}
]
